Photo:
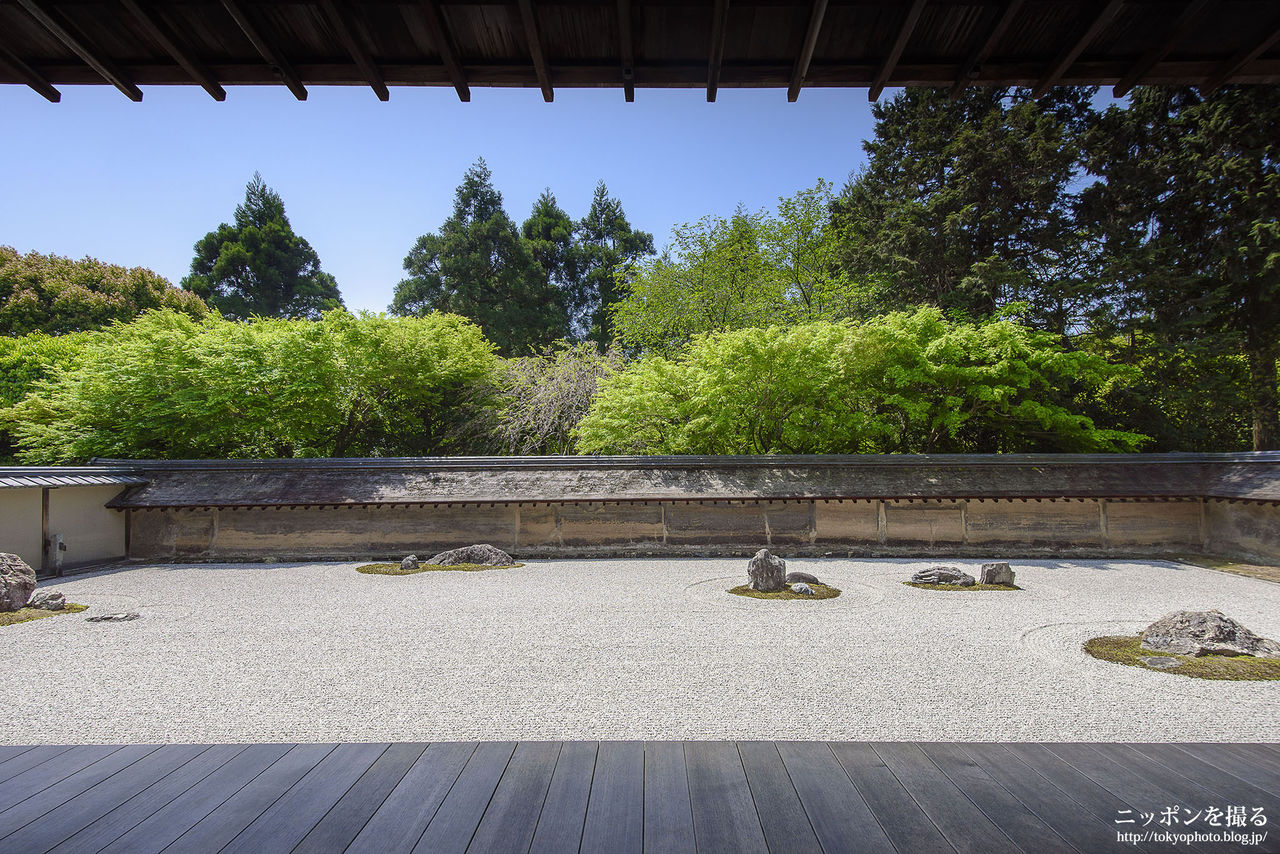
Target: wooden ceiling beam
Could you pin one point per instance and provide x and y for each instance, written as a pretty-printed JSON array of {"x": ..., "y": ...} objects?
[
  {"x": 1237, "y": 63},
  {"x": 534, "y": 37},
  {"x": 340, "y": 19},
  {"x": 895, "y": 53},
  {"x": 627, "y": 50},
  {"x": 719, "y": 21},
  {"x": 29, "y": 75},
  {"x": 1072, "y": 53},
  {"x": 983, "y": 53},
  {"x": 279, "y": 65},
  {"x": 163, "y": 36},
  {"x": 816, "y": 14},
  {"x": 1179, "y": 30},
  {"x": 106, "y": 69},
  {"x": 448, "y": 57}
]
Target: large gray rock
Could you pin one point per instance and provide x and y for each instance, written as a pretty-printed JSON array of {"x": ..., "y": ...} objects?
[
  {"x": 49, "y": 600},
  {"x": 17, "y": 582},
  {"x": 996, "y": 573},
  {"x": 409, "y": 564},
  {"x": 768, "y": 574},
  {"x": 943, "y": 575},
  {"x": 802, "y": 578},
  {"x": 1205, "y": 633},
  {"x": 482, "y": 555}
]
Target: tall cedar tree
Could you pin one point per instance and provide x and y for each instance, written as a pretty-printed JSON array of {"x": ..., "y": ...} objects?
[
  {"x": 549, "y": 234},
  {"x": 607, "y": 246},
  {"x": 965, "y": 204},
  {"x": 1190, "y": 213},
  {"x": 478, "y": 266},
  {"x": 258, "y": 266}
]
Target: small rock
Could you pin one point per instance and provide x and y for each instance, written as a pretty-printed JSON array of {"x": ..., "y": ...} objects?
[
  {"x": 49, "y": 600},
  {"x": 481, "y": 555},
  {"x": 17, "y": 582},
  {"x": 802, "y": 589},
  {"x": 409, "y": 564},
  {"x": 802, "y": 578},
  {"x": 1161, "y": 662},
  {"x": 768, "y": 574},
  {"x": 1205, "y": 633},
  {"x": 943, "y": 575},
  {"x": 996, "y": 573},
  {"x": 114, "y": 618}
]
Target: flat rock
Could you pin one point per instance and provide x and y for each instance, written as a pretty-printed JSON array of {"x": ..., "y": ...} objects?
[
  {"x": 409, "y": 564},
  {"x": 767, "y": 573},
  {"x": 944, "y": 575},
  {"x": 481, "y": 555},
  {"x": 49, "y": 600},
  {"x": 1205, "y": 633},
  {"x": 802, "y": 578},
  {"x": 1160, "y": 662},
  {"x": 17, "y": 582},
  {"x": 802, "y": 588},
  {"x": 996, "y": 573},
  {"x": 114, "y": 618}
]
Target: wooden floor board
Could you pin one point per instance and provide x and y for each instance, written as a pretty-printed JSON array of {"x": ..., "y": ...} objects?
[
  {"x": 785, "y": 824},
  {"x": 668, "y": 813},
  {"x": 54, "y": 770},
  {"x": 1250, "y": 754},
  {"x": 564, "y": 812},
  {"x": 615, "y": 807},
  {"x": 906, "y": 825},
  {"x": 1097, "y": 800},
  {"x": 1213, "y": 754},
  {"x": 12, "y": 751},
  {"x": 839, "y": 815},
  {"x": 508, "y": 824},
  {"x": 29, "y": 759},
  {"x": 1230, "y": 788},
  {"x": 725, "y": 818},
  {"x": 455, "y": 822},
  {"x": 398, "y": 823}
]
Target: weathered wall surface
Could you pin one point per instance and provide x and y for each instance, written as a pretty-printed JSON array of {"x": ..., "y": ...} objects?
[
  {"x": 20, "y": 524},
  {"x": 862, "y": 527}
]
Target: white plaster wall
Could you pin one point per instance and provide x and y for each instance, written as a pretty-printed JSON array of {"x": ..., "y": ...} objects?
[
  {"x": 20, "y": 524},
  {"x": 91, "y": 531}
]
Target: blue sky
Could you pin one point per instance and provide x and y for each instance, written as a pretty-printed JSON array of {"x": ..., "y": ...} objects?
[{"x": 138, "y": 184}]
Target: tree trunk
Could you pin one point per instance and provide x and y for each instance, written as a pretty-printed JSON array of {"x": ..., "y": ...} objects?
[{"x": 1262, "y": 351}]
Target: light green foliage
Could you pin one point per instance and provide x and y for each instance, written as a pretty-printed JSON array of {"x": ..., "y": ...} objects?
[
  {"x": 167, "y": 386},
  {"x": 257, "y": 267},
  {"x": 910, "y": 383},
  {"x": 543, "y": 397},
  {"x": 751, "y": 269},
  {"x": 26, "y": 360},
  {"x": 52, "y": 294}
]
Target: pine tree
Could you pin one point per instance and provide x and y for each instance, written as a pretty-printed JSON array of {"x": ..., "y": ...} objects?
[{"x": 607, "y": 246}]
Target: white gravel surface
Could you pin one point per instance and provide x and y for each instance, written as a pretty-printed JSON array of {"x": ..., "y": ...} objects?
[{"x": 631, "y": 649}]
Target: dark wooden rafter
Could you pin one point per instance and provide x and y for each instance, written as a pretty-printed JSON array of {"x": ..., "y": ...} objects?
[
  {"x": 719, "y": 26},
  {"x": 1178, "y": 30},
  {"x": 439, "y": 31},
  {"x": 626, "y": 50},
  {"x": 165, "y": 37},
  {"x": 983, "y": 53},
  {"x": 106, "y": 69},
  {"x": 279, "y": 65},
  {"x": 344, "y": 27},
  {"x": 801, "y": 68},
  {"x": 29, "y": 75},
  {"x": 534, "y": 37},
  {"x": 1237, "y": 63},
  {"x": 895, "y": 52},
  {"x": 1065, "y": 59}
]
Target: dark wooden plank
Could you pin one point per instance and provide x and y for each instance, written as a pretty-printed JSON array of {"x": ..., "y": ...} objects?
[
  {"x": 1188, "y": 791},
  {"x": 1004, "y": 810},
  {"x": 398, "y": 823},
  {"x": 509, "y": 823},
  {"x": 54, "y": 770},
  {"x": 1058, "y": 809},
  {"x": 177, "y": 816},
  {"x": 133, "y": 811},
  {"x": 906, "y": 825},
  {"x": 240, "y": 810},
  {"x": 564, "y": 812},
  {"x": 1232, "y": 764},
  {"x": 1229, "y": 786},
  {"x": 30, "y": 759},
  {"x": 1252, "y": 754},
  {"x": 840, "y": 817},
  {"x": 120, "y": 777},
  {"x": 962, "y": 823},
  {"x": 724, "y": 812},
  {"x": 615, "y": 809},
  {"x": 785, "y": 824},
  {"x": 1098, "y": 801},
  {"x": 287, "y": 821},
  {"x": 459, "y": 814},
  {"x": 890, "y": 61},
  {"x": 11, "y": 751},
  {"x": 343, "y": 823},
  {"x": 668, "y": 816}
]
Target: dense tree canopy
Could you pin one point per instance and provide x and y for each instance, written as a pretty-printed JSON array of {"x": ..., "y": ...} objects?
[
  {"x": 52, "y": 294},
  {"x": 257, "y": 266},
  {"x": 607, "y": 247}
]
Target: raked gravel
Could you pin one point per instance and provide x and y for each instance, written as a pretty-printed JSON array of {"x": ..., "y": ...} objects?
[{"x": 620, "y": 649}]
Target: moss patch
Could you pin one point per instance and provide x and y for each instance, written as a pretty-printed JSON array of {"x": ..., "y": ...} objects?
[
  {"x": 1127, "y": 649},
  {"x": 394, "y": 568},
  {"x": 22, "y": 615},
  {"x": 962, "y": 589},
  {"x": 820, "y": 591},
  {"x": 1249, "y": 570}
]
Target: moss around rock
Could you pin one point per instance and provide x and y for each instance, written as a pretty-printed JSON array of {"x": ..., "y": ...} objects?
[
  {"x": 394, "y": 568},
  {"x": 1127, "y": 650},
  {"x": 820, "y": 591},
  {"x": 958, "y": 588},
  {"x": 23, "y": 615}
]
